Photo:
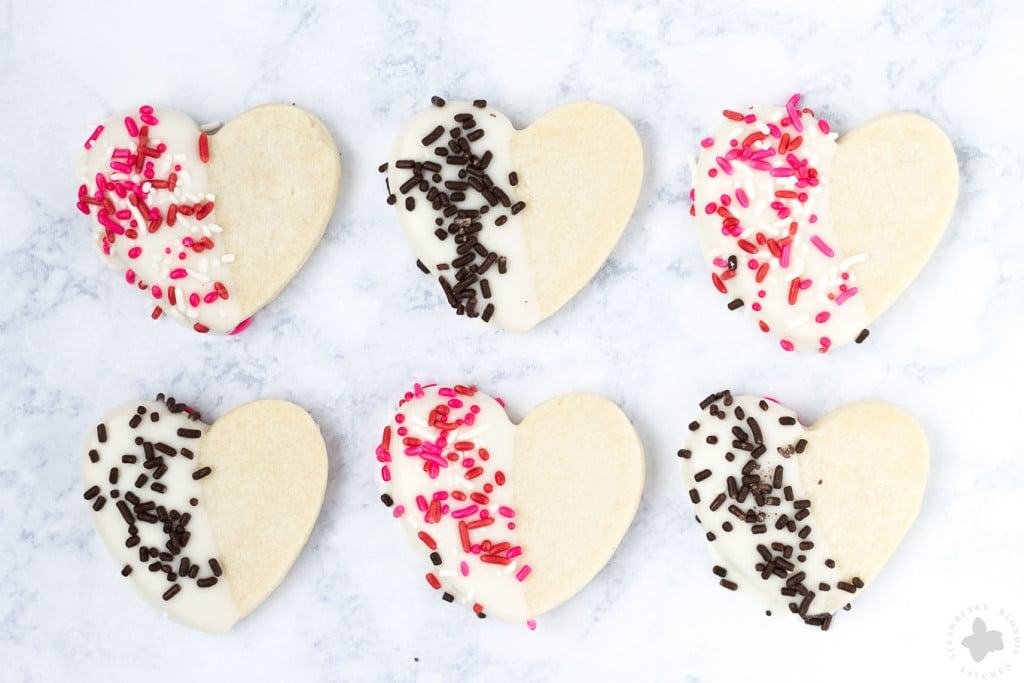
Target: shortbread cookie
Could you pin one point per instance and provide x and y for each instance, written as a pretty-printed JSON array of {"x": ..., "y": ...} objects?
[
  {"x": 803, "y": 518},
  {"x": 205, "y": 521},
  {"x": 210, "y": 225},
  {"x": 511, "y": 519},
  {"x": 512, "y": 223},
  {"x": 817, "y": 235}
]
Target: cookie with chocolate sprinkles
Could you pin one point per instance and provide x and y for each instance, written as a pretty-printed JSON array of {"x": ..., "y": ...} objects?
[
  {"x": 813, "y": 512},
  {"x": 463, "y": 181},
  {"x": 189, "y": 511}
]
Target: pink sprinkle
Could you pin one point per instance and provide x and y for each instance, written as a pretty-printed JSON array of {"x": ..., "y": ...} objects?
[
  {"x": 710, "y": 208},
  {"x": 241, "y": 326},
  {"x": 464, "y": 568},
  {"x": 178, "y": 273},
  {"x": 759, "y": 165},
  {"x": 823, "y": 125},
  {"x": 193, "y": 299},
  {"x": 83, "y": 207},
  {"x": 446, "y": 392},
  {"x": 146, "y": 109},
  {"x": 531, "y": 624},
  {"x": 514, "y": 552},
  {"x": 134, "y": 252},
  {"x": 784, "y": 259},
  {"x": 806, "y": 284},
  {"x": 794, "y": 115},
  {"x": 756, "y": 306},
  {"x": 92, "y": 138},
  {"x": 465, "y": 512},
  {"x": 399, "y": 510},
  {"x": 825, "y": 342},
  {"x": 822, "y": 317},
  {"x": 707, "y": 142},
  {"x": 822, "y": 247},
  {"x": 454, "y": 403},
  {"x": 133, "y": 129},
  {"x": 385, "y": 474},
  {"x": 506, "y": 511},
  {"x": 211, "y": 297},
  {"x": 421, "y": 503},
  {"x": 741, "y": 197},
  {"x": 523, "y": 573},
  {"x": 813, "y": 218},
  {"x": 841, "y": 299},
  {"x": 440, "y": 495},
  {"x": 720, "y": 262},
  {"x": 109, "y": 224},
  {"x": 786, "y": 345},
  {"x": 724, "y": 165},
  {"x": 782, "y": 172},
  {"x": 118, "y": 166},
  {"x": 129, "y": 276},
  {"x": 499, "y": 401},
  {"x": 148, "y": 120}
]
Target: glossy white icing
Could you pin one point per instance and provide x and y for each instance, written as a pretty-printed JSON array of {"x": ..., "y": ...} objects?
[
  {"x": 761, "y": 189},
  {"x": 156, "y": 220},
  {"x": 735, "y": 534},
  {"x": 513, "y": 293},
  {"x": 211, "y": 608},
  {"x": 449, "y": 476}
]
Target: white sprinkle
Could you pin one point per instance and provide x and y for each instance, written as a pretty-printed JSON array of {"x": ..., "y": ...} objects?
[
  {"x": 197, "y": 275},
  {"x": 852, "y": 261},
  {"x": 227, "y": 258}
]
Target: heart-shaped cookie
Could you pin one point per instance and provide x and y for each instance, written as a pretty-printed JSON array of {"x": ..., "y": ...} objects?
[
  {"x": 211, "y": 226},
  {"x": 205, "y": 521},
  {"x": 817, "y": 236},
  {"x": 803, "y": 517},
  {"x": 513, "y": 223},
  {"x": 512, "y": 519}
]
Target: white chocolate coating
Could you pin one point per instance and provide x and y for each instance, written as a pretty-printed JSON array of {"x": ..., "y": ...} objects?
[
  {"x": 737, "y": 550},
  {"x": 514, "y": 293},
  {"x": 155, "y": 261},
  {"x": 778, "y": 239},
  {"x": 211, "y": 608},
  {"x": 423, "y": 484}
]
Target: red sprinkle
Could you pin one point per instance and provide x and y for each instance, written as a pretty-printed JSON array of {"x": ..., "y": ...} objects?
[{"x": 204, "y": 148}]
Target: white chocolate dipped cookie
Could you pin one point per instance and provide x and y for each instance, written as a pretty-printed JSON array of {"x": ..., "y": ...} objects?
[
  {"x": 205, "y": 520},
  {"x": 803, "y": 518},
  {"x": 512, "y": 520},
  {"x": 210, "y": 226},
  {"x": 513, "y": 223},
  {"x": 817, "y": 235}
]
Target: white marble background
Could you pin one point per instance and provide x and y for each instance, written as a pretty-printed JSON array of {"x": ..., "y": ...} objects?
[{"x": 359, "y": 324}]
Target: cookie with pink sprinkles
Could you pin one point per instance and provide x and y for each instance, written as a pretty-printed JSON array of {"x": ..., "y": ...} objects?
[
  {"x": 208, "y": 223},
  {"x": 816, "y": 235},
  {"x": 486, "y": 503}
]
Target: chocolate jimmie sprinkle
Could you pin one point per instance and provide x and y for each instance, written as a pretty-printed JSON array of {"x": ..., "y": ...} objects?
[
  {"x": 460, "y": 206},
  {"x": 140, "y": 509},
  {"x": 753, "y": 496}
]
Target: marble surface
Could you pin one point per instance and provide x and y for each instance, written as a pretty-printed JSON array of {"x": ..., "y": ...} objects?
[{"x": 359, "y": 324}]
